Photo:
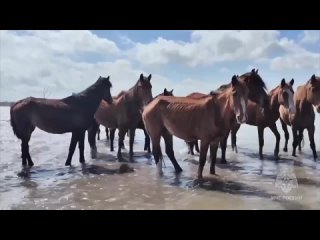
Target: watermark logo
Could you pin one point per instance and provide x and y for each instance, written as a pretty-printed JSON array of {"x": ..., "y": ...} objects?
[{"x": 286, "y": 180}]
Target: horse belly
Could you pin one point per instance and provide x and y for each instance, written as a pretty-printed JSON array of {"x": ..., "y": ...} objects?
[
  {"x": 60, "y": 123},
  {"x": 180, "y": 130}
]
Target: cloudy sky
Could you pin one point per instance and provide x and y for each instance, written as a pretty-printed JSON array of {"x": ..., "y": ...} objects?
[{"x": 62, "y": 62}]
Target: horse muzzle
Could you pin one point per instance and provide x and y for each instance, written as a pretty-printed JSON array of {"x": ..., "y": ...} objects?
[
  {"x": 242, "y": 119},
  {"x": 318, "y": 108}
]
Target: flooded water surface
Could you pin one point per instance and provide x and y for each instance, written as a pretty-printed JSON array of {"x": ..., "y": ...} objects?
[{"x": 244, "y": 183}]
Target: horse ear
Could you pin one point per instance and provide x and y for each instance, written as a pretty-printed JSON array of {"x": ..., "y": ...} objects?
[
  {"x": 165, "y": 90},
  {"x": 283, "y": 82},
  {"x": 171, "y": 91},
  {"x": 149, "y": 78},
  {"x": 253, "y": 70},
  {"x": 257, "y": 70},
  {"x": 234, "y": 80},
  {"x": 141, "y": 77},
  {"x": 292, "y": 82},
  {"x": 313, "y": 78}
]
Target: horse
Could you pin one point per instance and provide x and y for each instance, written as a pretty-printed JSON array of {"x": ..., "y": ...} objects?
[
  {"x": 281, "y": 96},
  {"x": 124, "y": 113},
  {"x": 71, "y": 114},
  {"x": 190, "y": 119},
  {"x": 306, "y": 96},
  {"x": 142, "y": 127},
  {"x": 257, "y": 94}
]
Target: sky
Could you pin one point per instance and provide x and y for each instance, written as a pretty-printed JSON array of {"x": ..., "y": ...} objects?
[{"x": 55, "y": 64}]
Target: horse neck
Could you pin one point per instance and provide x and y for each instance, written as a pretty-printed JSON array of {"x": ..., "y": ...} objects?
[
  {"x": 132, "y": 97},
  {"x": 223, "y": 101},
  {"x": 301, "y": 99},
  {"x": 274, "y": 103}
]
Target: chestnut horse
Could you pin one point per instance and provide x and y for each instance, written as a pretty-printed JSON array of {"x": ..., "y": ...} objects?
[
  {"x": 190, "y": 119},
  {"x": 281, "y": 96},
  {"x": 72, "y": 114},
  {"x": 306, "y": 96},
  {"x": 257, "y": 94},
  {"x": 124, "y": 113}
]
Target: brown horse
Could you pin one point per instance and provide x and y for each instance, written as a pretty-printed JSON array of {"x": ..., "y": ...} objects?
[
  {"x": 190, "y": 119},
  {"x": 141, "y": 124},
  {"x": 124, "y": 113},
  {"x": 281, "y": 96},
  {"x": 72, "y": 114},
  {"x": 305, "y": 98},
  {"x": 257, "y": 94}
]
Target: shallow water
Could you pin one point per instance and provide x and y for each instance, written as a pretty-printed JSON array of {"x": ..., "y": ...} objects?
[{"x": 244, "y": 183}]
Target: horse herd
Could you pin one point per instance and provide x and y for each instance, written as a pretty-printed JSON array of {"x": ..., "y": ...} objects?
[{"x": 209, "y": 118}]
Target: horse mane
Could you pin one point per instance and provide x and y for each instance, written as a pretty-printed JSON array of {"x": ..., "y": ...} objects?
[
  {"x": 258, "y": 80},
  {"x": 120, "y": 94},
  {"x": 84, "y": 95}
]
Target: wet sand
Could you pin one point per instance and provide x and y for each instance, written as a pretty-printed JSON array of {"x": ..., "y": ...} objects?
[{"x": 244, "y": 183}]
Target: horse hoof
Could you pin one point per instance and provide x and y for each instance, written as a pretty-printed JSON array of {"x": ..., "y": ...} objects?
[
  {"x": 223, "y": 162},
  {"x": 82, "y": 161},
  {"x": 212, "y": 171},
  {"x": 200, "y": 177},
  {"x": 285, "y": 149},
  {"x": 68, "y": 164},
  {"x": 294, "y": 155},
  {"x": 179, "y": 170},
  {"x": 261, "y": 157},
  {"x": 93, "y": 155}
]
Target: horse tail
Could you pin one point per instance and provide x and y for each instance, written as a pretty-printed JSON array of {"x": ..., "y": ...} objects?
[{"x": 13, "y": 124}]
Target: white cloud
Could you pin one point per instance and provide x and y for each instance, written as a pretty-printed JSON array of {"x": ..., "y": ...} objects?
[
  {"x": 311, "y": 37},
  {"x": 33, "y": 61},
  {"x": 208, "y": 47},
  {"x": 296, "y": 62}
]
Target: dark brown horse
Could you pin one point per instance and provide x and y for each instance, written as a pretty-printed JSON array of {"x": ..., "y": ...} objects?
[
  {"x": 141, "y": 124},
  {"x": 282, "y": 96},
  {"x": 257, "y": 94},
  {"x": 306, "y": 96},
  {"x": 190, "y": 119},
  {"x": 72, "y": 114},
  {"x": 124, "y": 113}
]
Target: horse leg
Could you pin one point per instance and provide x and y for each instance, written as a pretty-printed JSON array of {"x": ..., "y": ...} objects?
[
  {"x": 295, "y": 140},
  {"x": 92, "y": 139},
  {"x": 311, "y": 139},
  {"x": 122, "y": 133},
  {"x": 98, "y": 133},
  {"x": 72, "y": 147},
  {"x": 131, "y": 141},
  {"x": 223, "y": 146},
  {"x": 300, "y": 138},
  {"x": 156, "y": 151},
  {"x": 274, "y": 129},
  {"x": 24, "y": 154},
  {"x": 168, "y": 140},
  {"x": 234, "y": 131},
  {"x": 81, "y": 146},
  {"x": 146, "y": 140},
  {"x": 261, "y": 141},
  {"x": 286, "y": 135},
  {"x": 112, "y": 131},
  {"x": 107, "y": 134},
  {"x": 190, "y": 147},
  {"x": 203, "y": 155},
  {"x": 213, "y": 157},
  {"x": 196, "y": 146}
]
